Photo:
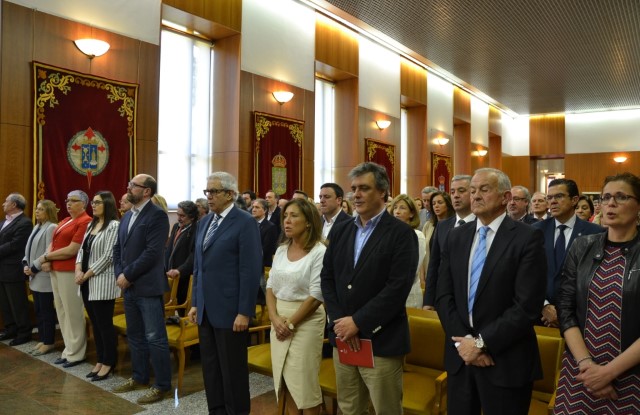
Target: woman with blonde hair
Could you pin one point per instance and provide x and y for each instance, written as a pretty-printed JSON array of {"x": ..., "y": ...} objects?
[
  {"x": 39, "y": 279},
  {"x": 294, "y": 300},
  {"x": 405, "y": 209}
]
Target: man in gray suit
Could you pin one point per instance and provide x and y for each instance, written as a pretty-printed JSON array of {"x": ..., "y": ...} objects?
[
  {"x": 425, "y": 212},
  {"x": 138, "y": 261}
]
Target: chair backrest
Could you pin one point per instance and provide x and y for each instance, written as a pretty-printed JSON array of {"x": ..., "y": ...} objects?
[
  {"x": 427, "y": 343},
  {"x": 418, "y": 312},
  {"x": 551, "y": 348},
  {"x": 171, "y": 304}
]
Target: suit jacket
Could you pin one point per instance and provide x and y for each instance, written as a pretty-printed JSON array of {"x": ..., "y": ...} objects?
[
  {"x": 529, "y": 219},
  {"x": 275, "y": 218},
  {"x": 342, "y": 217},
  {"x": 13, "y": 240},
  {"x": 548, "y": 226},
  {"x": 41, "y": 281},
  {"x": 374, "y": 290},
  {"x": 269, "y": 239},
  {"x": 439, "y": 239},
  {"x": 226, "y": 274},
  {"x": 179, "y": 254},
  {"x": 508, "y": 297},
  {"x": 102, "y": 286},
  {"x": 139, "y": 253}
]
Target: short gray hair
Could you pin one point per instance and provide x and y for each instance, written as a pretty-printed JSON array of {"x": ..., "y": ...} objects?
[
  {"x": 459, "y": 177},
  {"x": 504, "y": 184},
  {"x": 262, "y": 202},
  {"x": 429, "y": 189},
  {"x": 527, "y": 195},
  {"x": 82, "y": 195},
  {"x": 19, "y": 200},
  {"x": 227, "y": 180},
  {"x": 379, "y": 174}
]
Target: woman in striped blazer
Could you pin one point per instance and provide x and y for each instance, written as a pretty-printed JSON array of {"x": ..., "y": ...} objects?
[{"x": 95, "y": 276}]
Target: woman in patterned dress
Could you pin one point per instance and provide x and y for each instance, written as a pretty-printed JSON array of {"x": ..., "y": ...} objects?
[{"x": 599, "y": 310}]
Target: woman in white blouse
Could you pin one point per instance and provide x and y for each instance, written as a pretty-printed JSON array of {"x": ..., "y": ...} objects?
[
  {"x": 404, "y": 208},
  {"x": 294, "y": 301}
]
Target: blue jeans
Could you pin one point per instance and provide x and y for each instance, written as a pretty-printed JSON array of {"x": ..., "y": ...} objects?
[{"x": 147, "y": 337}]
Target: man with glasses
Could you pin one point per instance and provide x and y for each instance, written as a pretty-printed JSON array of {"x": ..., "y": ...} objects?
[
  {"x": 560, "y": 230},
  {"x": 138, "y": 260},
  {"x": 518, "y": 206},
  {"x": 226, "y": 278}
]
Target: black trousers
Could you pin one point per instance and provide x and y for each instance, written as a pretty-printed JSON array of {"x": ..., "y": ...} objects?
[
  {"x": 224, "y": 369},
  {"x": 15, "y": 308},
  {"x": 471, "y": 392},
  {"x": 46, "y": 316},
  {"x": 101, "y": 315}
]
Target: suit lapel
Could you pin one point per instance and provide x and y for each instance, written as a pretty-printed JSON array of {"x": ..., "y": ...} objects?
[
  {"x": 12, "y": 223},
  {"x": 500, "y": 243},
  {"x": 226, "y": 223},
  {"x": 373, "y": 241}
]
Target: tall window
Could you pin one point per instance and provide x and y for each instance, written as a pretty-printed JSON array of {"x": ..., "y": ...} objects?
[
  {"x": 184, "y": 128},
  {"x": 403, "y": 150},
  {"x": 324, "y": 133}
]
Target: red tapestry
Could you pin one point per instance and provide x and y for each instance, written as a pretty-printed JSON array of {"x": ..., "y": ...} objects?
[
  {"x": 383, "y": 154},
  {"x": 84, "y": 134},
  {"x": 441, "y": 170},
  {"x": 278, "y": 147}
]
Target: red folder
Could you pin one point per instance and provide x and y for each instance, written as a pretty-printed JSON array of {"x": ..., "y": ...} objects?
[{"x": 362, "y": 358}]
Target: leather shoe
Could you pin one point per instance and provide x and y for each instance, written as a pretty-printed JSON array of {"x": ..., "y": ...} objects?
[
  {"x": 19, "y": 340},
  {"x": 98, "y": 378},
  {"x": 6, "y": 335},
  {"x": 71, "y": 364},
  {"x": 60, "y": 361},
  {"x": 91, "y": 374}
]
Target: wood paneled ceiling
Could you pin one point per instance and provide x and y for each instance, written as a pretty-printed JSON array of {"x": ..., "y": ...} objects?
[{"x": 531, "y": 56}]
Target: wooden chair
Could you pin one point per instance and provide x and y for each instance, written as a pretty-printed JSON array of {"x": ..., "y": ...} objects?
[
  {"x": 259, "y": 355},
  {"x": 543, "y": 396},
  {"x": 424, "y": 378},
  {"x": 418, "y": 312}
]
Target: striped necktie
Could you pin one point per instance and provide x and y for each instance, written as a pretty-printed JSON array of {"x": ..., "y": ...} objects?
[
  {"x": 479, "y": 256},
  {"x": 213, "y": 227}
]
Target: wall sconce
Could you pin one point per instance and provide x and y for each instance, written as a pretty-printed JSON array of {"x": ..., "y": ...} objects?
[
  {"x": 620, "y": 159},
  {"x": 92, "y": 47},
  {"x": 479, "y": 153},
  {"x": 282, "y": 96},
  {"x": 441, "y": 141},
  {"x": 382, "y": 124}
]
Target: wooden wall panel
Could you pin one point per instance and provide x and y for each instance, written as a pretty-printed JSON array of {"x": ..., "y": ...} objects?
[
  {"x": 413, "y": 83},
  {"x": 495, "y": 121},
  {"x": 462, "y": 149},
  {"x": 519, "y": 170},
  {"x": 255, "y": 92},
  {"x": 349, "y": 149},
  {"x": 495, "y": 151},
  {"x": 589, "y": 170},
  {"x": 461, "y": 106},
  {"x": 418, "y": 156},
  {"x": 227, "y": 13},
  {"x": 546, "y": 136},
  {"x": 29, "y": 35},
  {"x": 476, "y": 160},
  {"x": 336, "y": 46}
]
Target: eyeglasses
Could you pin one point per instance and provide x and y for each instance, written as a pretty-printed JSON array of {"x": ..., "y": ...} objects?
[
  {"x": 557, "y": 197},
  {"x": 72, "y": 200},
  {"x": 518, "y": 199},
  {"x": 620, "y": 198},
  {"x": 132, "y": 185},
  {"x": 96, "y": 202},
  {"x": 212, "y": 192}
]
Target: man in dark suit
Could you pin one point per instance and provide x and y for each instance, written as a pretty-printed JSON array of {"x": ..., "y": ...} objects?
[
  {"x": 563, "y": 226},
  {"x": 331, "y": 195},
  {"x": 269, "y": 239},
  {"x": 461, "y": 200},
  {"x": 249, "y": 196},
  {"x": 518, "y": 206},
  {"x": 139, "y": 266},
  {"x": 488, "y": 298},
  {"x": 179, "y": 251},
  {"x": 367, "y": 273},
  {"x": 14, "y": 233},
  {"x": 273, "y": 211},
  {"x": 227, "y": 270}
]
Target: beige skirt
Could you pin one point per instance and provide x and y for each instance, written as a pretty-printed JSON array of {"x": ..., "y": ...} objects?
[{"x": 297, "y": 359}]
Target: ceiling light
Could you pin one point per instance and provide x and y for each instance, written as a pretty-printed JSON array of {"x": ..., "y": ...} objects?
[
  {"x": 92, "y": 47},
  {"x": 282, "y": 96}
]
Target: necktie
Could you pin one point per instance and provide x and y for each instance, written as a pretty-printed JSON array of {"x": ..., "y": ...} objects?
[
  {"x": 213, "y": 227},
  {"x": 560, "y": 247},
  {"x": 479, "y": 256},
  {"x": 461, "y": 222}
]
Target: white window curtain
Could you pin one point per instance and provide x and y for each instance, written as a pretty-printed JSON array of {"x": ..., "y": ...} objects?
[
  {"x": 324, "y": 133},
  {"x": 184, "y": 128},
  {"x": 403, "y": 150}
]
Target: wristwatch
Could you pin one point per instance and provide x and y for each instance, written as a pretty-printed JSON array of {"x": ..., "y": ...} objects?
[
  {"x": 479, "y": 342},
  {"x": 291, "y": 326}
]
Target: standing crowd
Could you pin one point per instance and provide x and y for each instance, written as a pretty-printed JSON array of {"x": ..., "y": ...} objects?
[{"x": 491, "y": 258}]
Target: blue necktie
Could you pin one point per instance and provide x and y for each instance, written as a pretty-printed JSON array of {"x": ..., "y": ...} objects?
[
  {"x": 213, "y": 227},
  {"x": 560, "y": 247},
  {"x": 479, "y": 256}
]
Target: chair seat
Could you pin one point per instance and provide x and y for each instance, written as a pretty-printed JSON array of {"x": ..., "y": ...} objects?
[
  {"x": 537, "y": 407},
  {"x": 120, "y": 324},
  {"x": 418, "y": 393},
  {"x": 259, "y": 359},
  {"x": 328, "y": 378}
]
